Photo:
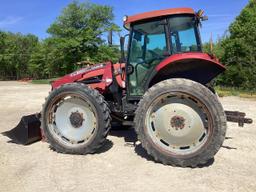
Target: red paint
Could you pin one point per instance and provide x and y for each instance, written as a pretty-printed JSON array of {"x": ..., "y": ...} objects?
[
  {"x": 99, "y": 86},
  {"x": 64, "y": 80},
  {"x": 83, "y": 74},
  {"x": 159, "y": 13},
  {"x": 94, "y": 73},
  {"x": 120, "y": 78},
  {"x": 75, "y": 76},
  {"x": 186, "y": 56},
  {"x": 106, "y": 71}
]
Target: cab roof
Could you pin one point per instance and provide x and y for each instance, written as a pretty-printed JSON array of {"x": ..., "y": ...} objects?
[{"x": 155, "y": 14}]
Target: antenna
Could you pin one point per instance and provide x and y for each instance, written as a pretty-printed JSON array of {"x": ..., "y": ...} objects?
[{"x": 211, "y": 44}]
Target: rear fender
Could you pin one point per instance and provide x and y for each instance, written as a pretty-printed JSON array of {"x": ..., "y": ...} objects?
[{"x": 199, "y": 67}]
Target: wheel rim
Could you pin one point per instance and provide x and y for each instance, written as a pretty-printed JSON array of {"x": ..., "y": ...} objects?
[
  {"x": 72, "y": 119},
  {"x": 178, "y": 123}
]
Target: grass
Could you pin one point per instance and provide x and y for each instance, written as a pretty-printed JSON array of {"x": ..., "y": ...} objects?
[
  {"x": 43, "y": 81},
  {"x": 231, "y": 91}
]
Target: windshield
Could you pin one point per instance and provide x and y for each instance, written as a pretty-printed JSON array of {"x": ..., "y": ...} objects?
[{"x": 184, "y": 34}]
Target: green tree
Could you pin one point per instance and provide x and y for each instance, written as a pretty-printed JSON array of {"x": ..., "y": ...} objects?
[
  {"x": 15, "y": 53},
  {"x": 77, "y": 35},
  {"x": 240, "y": 48},
  {"x": 217, "y": 48}
]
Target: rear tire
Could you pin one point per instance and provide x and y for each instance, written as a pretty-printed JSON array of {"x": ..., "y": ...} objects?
[
  {"x": 75, "y": 119},
  {"x": 181, "y": 123}
]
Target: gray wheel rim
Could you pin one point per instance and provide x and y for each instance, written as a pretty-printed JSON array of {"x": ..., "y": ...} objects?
[
  {"x": 72, "y": 120},
  {"x": 178, "y": 123}
]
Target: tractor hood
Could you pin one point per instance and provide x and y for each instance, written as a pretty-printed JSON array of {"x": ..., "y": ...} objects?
[
  {"x": 76, "y": 75},
  {"x": 87, "y": 69}
]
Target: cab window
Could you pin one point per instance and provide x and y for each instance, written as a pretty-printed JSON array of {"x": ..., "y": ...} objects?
[{"x": 184, "y": 34}]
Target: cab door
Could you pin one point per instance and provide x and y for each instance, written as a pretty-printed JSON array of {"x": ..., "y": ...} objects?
[{"x": 148, "y": 47}]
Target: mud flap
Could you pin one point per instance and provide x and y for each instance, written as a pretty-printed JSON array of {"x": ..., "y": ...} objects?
[{"x": 27, "y": 131}]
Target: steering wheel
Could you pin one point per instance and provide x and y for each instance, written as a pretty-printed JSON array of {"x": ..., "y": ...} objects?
[
  {"x": 147, "y": 63},
  {"x": 153, "y": 53}
]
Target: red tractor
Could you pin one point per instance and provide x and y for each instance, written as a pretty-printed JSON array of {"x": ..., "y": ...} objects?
[{"x": 162, "y": 86}]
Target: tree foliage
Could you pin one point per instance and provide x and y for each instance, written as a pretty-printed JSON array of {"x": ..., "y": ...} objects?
[
  {"x": 237, "y": 50},
  {"x": 76, "y": 35},
  {"x": 240, "y": 49},
  {"x": 15, "y": 51}
]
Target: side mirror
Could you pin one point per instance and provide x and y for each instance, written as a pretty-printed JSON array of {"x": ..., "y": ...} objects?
[
  {"x": 122, "y": 49},
  {"x": 110, "y": 38},
  {"x": 204, "y": 18},
  {"x": 122, "y": 41},
  {"x": 200, "y": 13},
  {"x": 201, "y": 16}
]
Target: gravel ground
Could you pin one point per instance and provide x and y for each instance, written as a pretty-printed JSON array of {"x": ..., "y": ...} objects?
[{"x": 119, "y": 166}]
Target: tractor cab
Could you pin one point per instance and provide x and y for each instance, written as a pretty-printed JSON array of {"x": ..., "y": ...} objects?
[{"x": 155, "y": 36}]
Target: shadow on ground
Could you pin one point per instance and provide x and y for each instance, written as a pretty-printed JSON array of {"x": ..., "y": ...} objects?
[
  {"x": 130, "y": 136},
  {"x": 142, "y": 152},
  {"x": 128, "y": 133},
  {"x": 228, "y": 147},
  {"x": 107, "y": 145}
]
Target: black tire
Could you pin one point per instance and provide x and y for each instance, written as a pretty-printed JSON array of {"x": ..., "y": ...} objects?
[
  {"x": 202, "y": 93},
  {"x": 103, "y": 119}
]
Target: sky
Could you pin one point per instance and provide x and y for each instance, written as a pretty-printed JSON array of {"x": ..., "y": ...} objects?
[{"x": 35, "y": 16}]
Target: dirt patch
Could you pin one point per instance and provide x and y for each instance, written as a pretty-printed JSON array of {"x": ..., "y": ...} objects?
[{"x": 119, "y": 166}]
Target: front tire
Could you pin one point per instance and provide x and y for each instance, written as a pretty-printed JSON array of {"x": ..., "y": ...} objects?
[
  {"x": 75, "y": 119},
  {"x": 180, "y": 122}
]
